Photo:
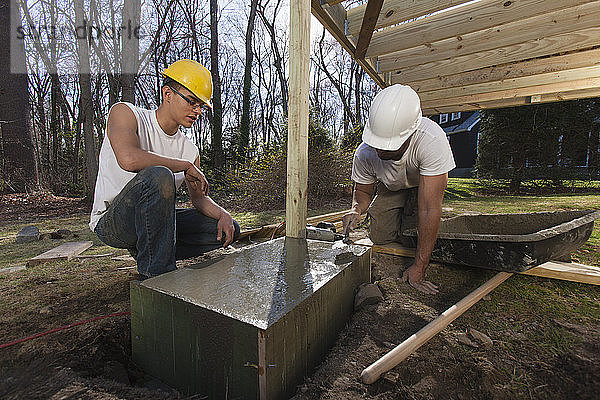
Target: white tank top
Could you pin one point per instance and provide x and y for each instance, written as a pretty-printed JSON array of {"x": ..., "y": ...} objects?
[{"x": 112, "y": 178}]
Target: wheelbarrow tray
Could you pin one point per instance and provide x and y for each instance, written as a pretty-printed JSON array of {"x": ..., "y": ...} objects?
[{"x": 510, "y": 242}]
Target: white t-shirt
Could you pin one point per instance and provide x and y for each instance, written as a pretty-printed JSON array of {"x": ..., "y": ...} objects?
[
  {"x": 112, "y": 178},
  {"x": 428, "y": 154}
]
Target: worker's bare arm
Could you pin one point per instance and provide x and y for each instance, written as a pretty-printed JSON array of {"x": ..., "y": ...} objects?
[
  {"x": 122, "y": 133},
  {"x": 361, "y": 198},
  {"x": 210, "y": 208},
  {"x": 431, "y": 196}
]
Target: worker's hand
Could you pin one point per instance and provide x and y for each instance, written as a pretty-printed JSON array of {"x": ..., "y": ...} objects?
[
  {"x": 415, "y": 277},
  {"x": 196, "y": 179},
  {"x": 225, "y": 227},
  {"x": 349, "y": 221}
]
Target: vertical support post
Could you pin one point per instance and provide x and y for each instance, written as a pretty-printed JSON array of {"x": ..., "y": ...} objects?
[{"x": 297, "y": 151}]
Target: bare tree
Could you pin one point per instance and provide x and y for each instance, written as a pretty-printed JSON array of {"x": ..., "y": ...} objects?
[
  {"x": 86, "y": 110},
  {"x": 18, "y": 168},
  {"x": 217, "y": 111},
  {"x": 278, "y": 63},
  {"x": 244, "y": 138}
]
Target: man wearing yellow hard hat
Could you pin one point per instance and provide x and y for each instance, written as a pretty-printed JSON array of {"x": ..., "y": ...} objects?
[{"x": 143, "y": 160}]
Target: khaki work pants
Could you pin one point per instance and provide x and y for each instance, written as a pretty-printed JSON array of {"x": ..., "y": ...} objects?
[{"x": 390, "y": 213}]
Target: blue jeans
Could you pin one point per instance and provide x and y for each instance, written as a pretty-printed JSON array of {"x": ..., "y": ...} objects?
[{"x": 143, "y": 219}]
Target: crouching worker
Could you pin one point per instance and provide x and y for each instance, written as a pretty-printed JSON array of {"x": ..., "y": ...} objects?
[
  {"x": 143, "y": 160},
  {"x": 401, "y": 151}
]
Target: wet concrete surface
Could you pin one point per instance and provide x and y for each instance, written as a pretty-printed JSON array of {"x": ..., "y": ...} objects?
[{"x": 262, "y": 283}]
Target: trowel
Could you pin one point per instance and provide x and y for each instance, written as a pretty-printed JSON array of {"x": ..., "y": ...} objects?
[{"x": 323, "y": 231}]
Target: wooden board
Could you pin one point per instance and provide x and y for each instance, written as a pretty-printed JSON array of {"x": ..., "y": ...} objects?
[
  {"x": 395, "y": 249},
  {"x": 514, "y": 33},
  {"x": 65, "y": 251},
  {"x": 567, "y": 272},
  {"x": 457, "y": 22},
  {"x": 267, "y": 230},
  {"x": 579, "y": 84},
  {"x": 548, "y": 45},
  {"x": 575, "y": 60},
  {"x": 517, "y": 101},
  {"x": 552, "y": 269},
  {"x": 394, "y": 11},
  {"x": 549, "y": 78}
]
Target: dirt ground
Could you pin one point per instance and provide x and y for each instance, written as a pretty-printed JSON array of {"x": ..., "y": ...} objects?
[{"x": 545, "y": 335}]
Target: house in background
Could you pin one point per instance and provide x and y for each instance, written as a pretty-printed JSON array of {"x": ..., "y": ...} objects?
[{"x": 462, "y": 130}]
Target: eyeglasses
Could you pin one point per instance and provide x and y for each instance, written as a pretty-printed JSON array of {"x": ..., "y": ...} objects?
[{"x": 193, "y": 103}]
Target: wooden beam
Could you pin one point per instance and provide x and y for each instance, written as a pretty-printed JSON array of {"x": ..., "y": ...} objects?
[
  {"x": 587, "y": 83},
  {"x": 65, "y": 251},
  {"x": 297, "y": 151},
  {"x": 522, "y": 31},
  {"x": 567, "y": 272},
  {"x": 508, "y": 71},
  {"x": 396, "y": 11},
  {"x": 368, "y": 25},
  {"x": 457, "y": 22},
  {"x": 572, "y": 41},
  {"x": 330, "y": 18},
  {"x": 406, "y": 348},
  {"x": 517, "y": 101},
  {"x": 549, "y": 79},
  {"x": 395, "y": 249}
]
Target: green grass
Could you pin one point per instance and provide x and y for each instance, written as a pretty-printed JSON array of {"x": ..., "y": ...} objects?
[{"x": 461, "y": 196}]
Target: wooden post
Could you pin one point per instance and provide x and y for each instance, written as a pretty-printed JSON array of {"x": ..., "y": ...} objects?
[
  {"x": 404, "y": 349},
  {"x": 297, "y": 151}
]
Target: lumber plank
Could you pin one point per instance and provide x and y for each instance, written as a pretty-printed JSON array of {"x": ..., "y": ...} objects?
[
  {"x": 367, "y": 27},
  {"x": 517, "y": 101},
  {"x": 550, "y": 78},
  {"x": 588, "y": 83},
  {"x": 549, "y": 45},
  {"x": 460, "y": 21},
  {"x": 522, "y": 31},
  {"x": 504, "y": 72},
  {"x": 567, "y": 272},
  {"x": 395, "y": 249},
  {"x": 395, "y": 11},
  {"x": 65, "y": 251},
  {"x": 267, "y": 230},
  {"x": 297, "y": 148}
]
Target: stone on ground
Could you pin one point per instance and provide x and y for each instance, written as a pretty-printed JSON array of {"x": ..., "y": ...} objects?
[{"x": 28, "y": 234}]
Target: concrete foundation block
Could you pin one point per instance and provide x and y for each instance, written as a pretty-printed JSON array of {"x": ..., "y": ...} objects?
[{"x": 250, "y": 325}]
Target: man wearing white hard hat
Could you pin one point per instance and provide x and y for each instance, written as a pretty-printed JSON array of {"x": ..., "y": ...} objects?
[{"x": 401, "y": 151}]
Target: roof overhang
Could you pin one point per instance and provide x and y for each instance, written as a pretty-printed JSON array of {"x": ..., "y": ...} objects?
[{"x": 464, "y": 55}]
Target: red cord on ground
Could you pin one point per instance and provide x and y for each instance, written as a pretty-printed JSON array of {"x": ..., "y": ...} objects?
[
  {"x": 63, "y": 327},
  {"x": 278, "y": 228}
]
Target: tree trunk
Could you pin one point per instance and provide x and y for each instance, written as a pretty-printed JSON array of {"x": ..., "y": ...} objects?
[
  {"x": 217, "y": 111},
  {"x": 130, "y": 49},
  {"x": 85, "y": 105},
  {"x": 278, "y": 63},
  {"x": 18, "y": 172},
  {"x": 244, "y": 141}
]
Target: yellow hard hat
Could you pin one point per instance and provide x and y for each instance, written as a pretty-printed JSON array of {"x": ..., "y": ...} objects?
[{"x": 193, "y": 76}]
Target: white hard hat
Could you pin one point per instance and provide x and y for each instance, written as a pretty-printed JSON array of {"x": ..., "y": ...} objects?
[{"x": 394, "y": 115}]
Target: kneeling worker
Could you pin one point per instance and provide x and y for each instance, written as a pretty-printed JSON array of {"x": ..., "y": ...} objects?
[
  {"x": 143, "y": 160},
  {"x": 401, "y": 150}
]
